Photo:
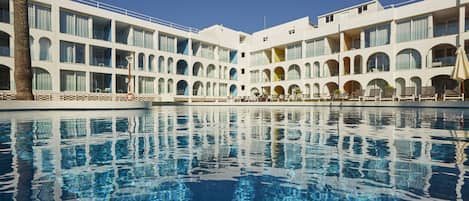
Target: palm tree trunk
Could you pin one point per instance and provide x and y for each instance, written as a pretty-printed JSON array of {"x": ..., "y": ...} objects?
[{"x": 23, "y": 71}]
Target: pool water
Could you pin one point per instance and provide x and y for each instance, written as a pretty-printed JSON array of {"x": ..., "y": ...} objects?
[{"x": 235, "y": 153}]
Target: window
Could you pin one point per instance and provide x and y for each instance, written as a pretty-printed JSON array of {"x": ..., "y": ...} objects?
[
  {"x": 146, "y": 85},
  {"x": 294, "y": 51},
  {"x": 362, "y": 9},
  {"x": 143, "y": 38},
  {"x": 242, "y": 71},
  {"x": 315, "y": 48},
  {"x": 5, "y": 11},
  {"x": 72, "y": 81},
  {"x": 243, "y": 87},
  {"x": 447, "y": 27},
  {"x": 377, "y": 36},
  {"x": 329, "y": 18},
  {"x": 167, "y": 43},
  {"x": 408, "y": 59},
  {"x": 44, "y": 49},
  {"x": 259, "y": 58},
  {"x": 100, "y": 56},
  {"x": 291, "y": 32},
  {"x": 74, "y": 24},
  {"x": 378, "y": 62},
  {"x": 243, "y": 54},
  {"x": 224, "y": 55},
  {"x": 265, "y": 39},
  {"x": 39, "y": 17},
  {"x": 72, "y": 52},
  {"x": 414, "y": 29}
]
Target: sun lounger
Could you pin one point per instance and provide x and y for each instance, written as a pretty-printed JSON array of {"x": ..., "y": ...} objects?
[
  {"x": 428, "y": 93},
  {"x": 409, "y": 94},
  {"x": 373, "y": 96},
  {"x": 453, "y": 95}
]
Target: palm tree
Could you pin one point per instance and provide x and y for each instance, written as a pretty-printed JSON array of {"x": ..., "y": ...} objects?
[{"x": 23, "y": 71}]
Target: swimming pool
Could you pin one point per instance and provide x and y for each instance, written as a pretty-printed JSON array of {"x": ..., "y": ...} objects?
[{"x": 235, "y": 153}]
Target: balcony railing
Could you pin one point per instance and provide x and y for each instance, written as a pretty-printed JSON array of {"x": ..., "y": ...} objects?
[
  {"x": 443, "y": 61},
  {"x": 134, "y": 14},
  {"x": 5, "y": 51}
]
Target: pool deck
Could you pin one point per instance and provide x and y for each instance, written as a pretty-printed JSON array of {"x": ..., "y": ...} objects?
[
  {"x": 71, "y": 105},
  {"x": 409, "y": 104}
]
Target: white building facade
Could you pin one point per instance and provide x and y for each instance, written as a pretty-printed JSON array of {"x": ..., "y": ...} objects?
[{"x": 80, "y": 48}]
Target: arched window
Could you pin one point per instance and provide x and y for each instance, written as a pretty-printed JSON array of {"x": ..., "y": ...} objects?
[
  {"x": 161, "y": 64},
  {"x": 294, "y": 72},
  {"x": 317, "y": 70},
  {"x": 170, "y": 65},
  {"x": 44, "y": 49},
  {"x": 151, "y": 63},
  {"x": 4, "y": 44},
  {"x": 4, "y": 77},
  {"x": 378, "y": 62},
  {"x": 141, "y": 61},
  {"x": 161, "y": 86},
  {"x": 170, "y": 86},
  {"x": 408, "y": 59},
  {"x": 41, "y": 79},
  {"x": 307, "y": 70}
]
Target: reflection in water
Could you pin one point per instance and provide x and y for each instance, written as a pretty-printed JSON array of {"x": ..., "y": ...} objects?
[{"x": 242, "y": 153}]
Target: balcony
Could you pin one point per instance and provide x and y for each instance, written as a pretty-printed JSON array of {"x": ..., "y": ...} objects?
[
  {"x": 100, "y": 56},
  {"x": 121, "y": 59},
  {"x": 101, "y": 29},
  {"x": 4, "y": 11}
]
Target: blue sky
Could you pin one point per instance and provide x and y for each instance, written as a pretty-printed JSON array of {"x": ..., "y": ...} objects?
[{"x": 243, "y": 15}]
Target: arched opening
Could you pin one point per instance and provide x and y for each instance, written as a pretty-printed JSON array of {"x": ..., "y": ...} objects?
[
  {"x": 233, "y": 74},
  {"x": 279, "y": 74},
  {"x": 31, "y": 48},
  {"x": 4, "y": 77},
  {"x": 211, "y": 71},
  {"x": 198, "y": 89},
  {"x": 444, "y": 82},
  {"x": 41, "y": 79},
  {"x": 161, "y": 86},
  {"x": 353, "y": 88},
  {"x": 170, "y": 86},
  {"x": 170, "y": 65},
  {"x": 225, "y": 72},
  {"x": 182, "y": 68},
  {"x": 266, "y": 75},
  {"x": 161, "y": 64},
  {"x": 408, "y": 59},
  {"x": 417, "y": 84},
  {"x": 347, "y": 69},
  {"x": 294, "y": 72},
  {"x": 307, "y": 90},
  {"x": 378, "y": 62},
  {"x": 331, "y": 68},
  {"x": 307, "y": 70},
  {"x": 215, "y": 89},
  {"x": 151, "y": 63},
  {"x": 141, "y": 61},
  {"x": 208, "y": 89},
  {"x": 4, "y": 44},
  {"x": 198, "y": 70},
  {"x": 332, "y": 87},
  {"x": 358, "y": 64},
  {"x": 182, "y": 88},
  {"x": 316, "y": 90},
  {"x": 294, "y": 90},
  {"x": 376, "y": 84},
  {"x": 279, "y": 91},
  {"x": 255, "y": 92},
  {"x": 400, "y": 87},
  {"x": 316, "y": 70},
  {"x": 442, "y": 55},
  {"x": 233, "y": 90},
  {"x": 44, "y": 49}
]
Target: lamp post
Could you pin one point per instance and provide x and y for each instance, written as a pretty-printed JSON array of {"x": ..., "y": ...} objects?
[{"x": 130, "y": 95}]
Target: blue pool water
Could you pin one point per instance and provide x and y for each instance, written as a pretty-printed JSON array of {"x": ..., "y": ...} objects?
[{"x": 235, "y": 153}]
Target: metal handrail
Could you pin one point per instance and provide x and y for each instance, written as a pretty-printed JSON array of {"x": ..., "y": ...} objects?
[
  {"x": 401, "y": 4},
  {"x": 137, "y": 15}
]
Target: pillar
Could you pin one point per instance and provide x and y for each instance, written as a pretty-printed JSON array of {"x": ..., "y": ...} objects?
[{"x": 462, "y": 24}]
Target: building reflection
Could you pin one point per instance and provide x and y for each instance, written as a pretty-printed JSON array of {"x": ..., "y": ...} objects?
[{"x": 305, "y": 153}]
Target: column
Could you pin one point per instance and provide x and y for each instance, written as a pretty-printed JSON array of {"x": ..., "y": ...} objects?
[
  {"x": 362, "y": 39},
  {"x": 430, "y": 26},
  {"x": 303, "y": 49},
  {"x": 462, "y": 24},
  {"x": 113, "y": 31},
  {"x": 342, "y": 41}
]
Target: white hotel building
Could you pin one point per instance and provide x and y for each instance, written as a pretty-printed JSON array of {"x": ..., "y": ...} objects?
[{"x": 79, "y": 49}]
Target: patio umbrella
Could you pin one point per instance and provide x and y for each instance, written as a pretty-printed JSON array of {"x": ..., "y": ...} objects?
[{"x": 461, "y": 68}]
